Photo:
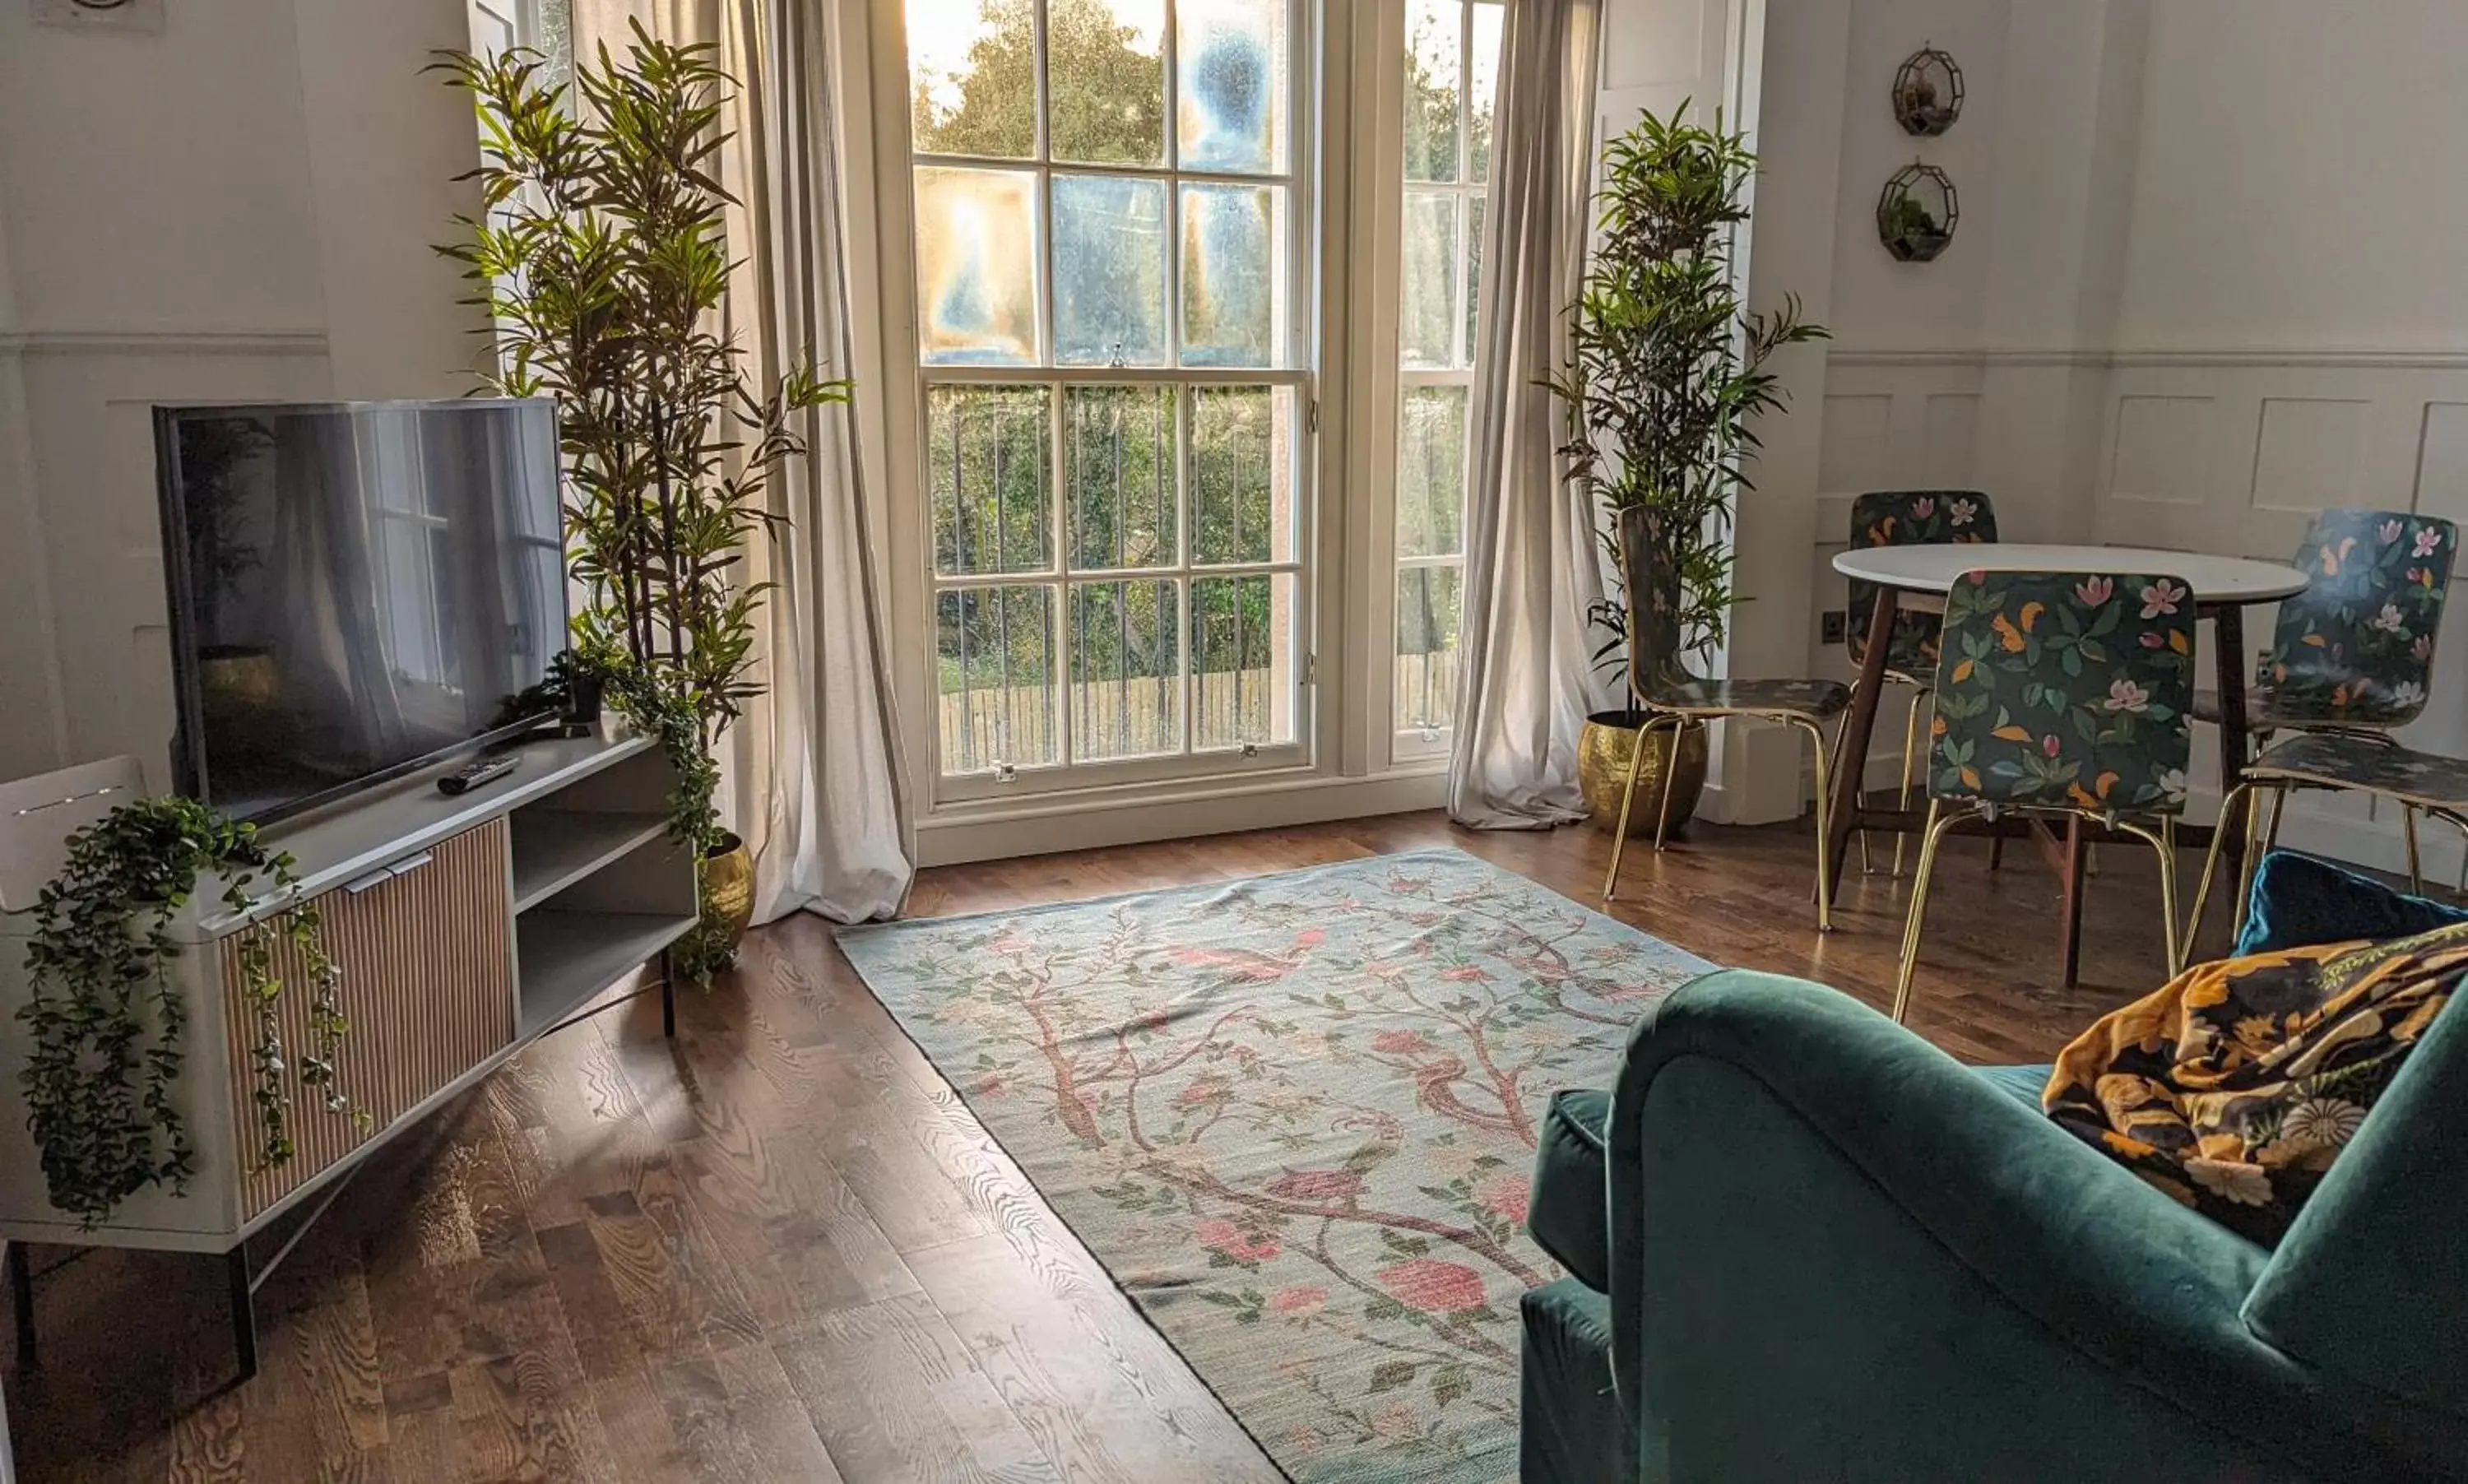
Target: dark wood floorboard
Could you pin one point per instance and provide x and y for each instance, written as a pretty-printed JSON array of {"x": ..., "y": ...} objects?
[{"x": 780, "y": 1248}]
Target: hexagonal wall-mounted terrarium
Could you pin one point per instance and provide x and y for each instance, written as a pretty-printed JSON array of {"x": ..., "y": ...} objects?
[
  {"x": 1916, "y": 212},
  {"x": 1927, "y": 92}
]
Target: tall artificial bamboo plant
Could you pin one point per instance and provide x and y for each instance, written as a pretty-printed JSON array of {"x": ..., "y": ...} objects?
[
  {"x": 1666, "y": 372},
  {"x": 603, "y": 256}
]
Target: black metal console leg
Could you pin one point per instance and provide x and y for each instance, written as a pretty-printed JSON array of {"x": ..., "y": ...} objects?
[
  {"x": 668, "y": 995},
  {"x": 243, "y": 1307},
  {"x": 21, "y": 1303}
]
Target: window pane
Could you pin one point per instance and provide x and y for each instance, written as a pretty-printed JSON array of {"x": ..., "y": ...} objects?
[
  {"x": 1233, "y": 275},
  {"x": 1106, "y": 81},
  {"x": 1118, "y": 455},
  {"x": 994, "y": 665},
  {"x": 1241, "y": 458},
  {"x": 973, "y": 77},
  {"x": 1425, "y": 329},
  {"x": 976, "y": 266},
  {"x": 1241, "y": 644},
  {"x": 1473, "y": 274},
  {"x": 1428, "y": 602},
  {"x": 1433, "y": 50},
  {"x": 1484, "y": 67},
  {"x": 1126, "y": 668},
  {"x": 1430, "y": 472},
  {"x": 989, "y": 468},
  {"x": 1230, "y": 69},
  {"x": 1109, "y": 271}
]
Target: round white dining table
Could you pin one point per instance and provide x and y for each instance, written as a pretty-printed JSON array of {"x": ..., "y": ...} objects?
[
  {"x": 1918, "y": 577},
  {"x": 1933, "y": 568}
]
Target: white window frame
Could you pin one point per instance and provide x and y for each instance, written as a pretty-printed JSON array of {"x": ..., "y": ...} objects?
[
  {"x": 913, "y": 540},
  {"x": 1412, "y": 744}
]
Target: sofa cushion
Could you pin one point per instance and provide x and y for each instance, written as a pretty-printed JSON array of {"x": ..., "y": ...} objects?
[
  {"x": 2299, "y": 900},
  {"x": 1570, "y": 1212},
  {"x": 2023, "y": 1082},
  {"x": 1571, "y": 1427}
]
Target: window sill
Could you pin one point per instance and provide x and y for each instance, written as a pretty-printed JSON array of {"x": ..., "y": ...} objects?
[{"x": 1089, "y": 818}]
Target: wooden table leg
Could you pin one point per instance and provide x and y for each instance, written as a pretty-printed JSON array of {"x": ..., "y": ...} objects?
[
  {"x": 1851, "y": 767},
  {"x": 2069, "y": 901},
  {"x": 2228, "y": 634}
]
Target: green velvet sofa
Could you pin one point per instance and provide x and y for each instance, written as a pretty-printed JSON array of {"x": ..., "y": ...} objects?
[{"x": 1805, "y": 1244}]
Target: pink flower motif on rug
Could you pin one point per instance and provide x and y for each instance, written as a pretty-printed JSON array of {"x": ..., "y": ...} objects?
[
  {"x": 1299, "y": 1302},
  {"x": 1433, "y": 1286},
  {"x": 1294, "y": 1117},
  {"x": 1223, "y": 1237}
]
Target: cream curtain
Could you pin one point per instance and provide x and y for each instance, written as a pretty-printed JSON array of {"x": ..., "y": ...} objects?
[
  {"x": 812, "y": 778},
  {"x": 1531, "y": 573}
]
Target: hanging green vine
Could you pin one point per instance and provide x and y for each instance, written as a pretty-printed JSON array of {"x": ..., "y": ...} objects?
[{"x": 106, "y": 1018}]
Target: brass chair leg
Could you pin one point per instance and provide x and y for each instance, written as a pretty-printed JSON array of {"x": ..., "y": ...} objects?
[
  {"x": 2180, "y": 947},
  {"x": 2211, "y": 859},
  {"x": 1938, "y": 822},
  {"x": 1910, "y": 744},
  {"x": 1842, "y": 728},
  {"x": 1824, "y": 860},
  {"x": 1628, "y": 800},
  {"x": 2460, "y": 825},
  {"x": 1670, "y": 772},
  {"x": 2164, "y": 840},
  {"x": 2255, "y": 843},
  {"x": 2416, "y": 862}
]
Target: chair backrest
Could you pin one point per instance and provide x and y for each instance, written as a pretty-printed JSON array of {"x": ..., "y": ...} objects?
[
  {"x": 1911, "y": 517},
  {"x": 2371, "y": 1281},
  {"x": 1652, "y": 591},
  {"x": 2358, "y": 643},
  {"x": 2066, "y": 690}
]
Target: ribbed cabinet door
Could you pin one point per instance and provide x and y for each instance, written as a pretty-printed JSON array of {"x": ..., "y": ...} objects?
[{"x": 427, "y": 985}]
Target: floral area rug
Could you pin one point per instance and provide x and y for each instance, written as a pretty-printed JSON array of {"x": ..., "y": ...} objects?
[{"x": 1294, "y": 1117}]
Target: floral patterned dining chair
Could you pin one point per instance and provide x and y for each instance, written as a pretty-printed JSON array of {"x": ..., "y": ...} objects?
[
  {"x": 2061, "y": 693},
  {"x": 2354, "y": 650},
  {"x": 1673, "y": 698},
  {"x": 1907, "y": 517}
]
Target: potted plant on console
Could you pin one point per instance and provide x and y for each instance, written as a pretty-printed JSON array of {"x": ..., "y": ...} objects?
[
  {"x": 1665, "y": 375},
  {"x": 603, "y": 257}
]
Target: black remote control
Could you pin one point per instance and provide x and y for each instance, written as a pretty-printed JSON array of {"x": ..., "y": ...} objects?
[{"x": 479, "y": 770}]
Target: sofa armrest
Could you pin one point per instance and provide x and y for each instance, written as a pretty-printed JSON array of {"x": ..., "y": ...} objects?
[{"x": 2119, "y": 1275}]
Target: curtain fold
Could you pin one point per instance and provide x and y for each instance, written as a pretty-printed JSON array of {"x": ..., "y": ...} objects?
[
  {"x": 811, "y": 774},
  {"x": 1526, "y": 680}
]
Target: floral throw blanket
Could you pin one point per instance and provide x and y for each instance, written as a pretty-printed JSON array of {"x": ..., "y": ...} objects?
[{"x": 2235, "y": 1085}]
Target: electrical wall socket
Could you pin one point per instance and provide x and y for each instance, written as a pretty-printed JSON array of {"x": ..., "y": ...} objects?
[{"x": 1831, "y": 624}]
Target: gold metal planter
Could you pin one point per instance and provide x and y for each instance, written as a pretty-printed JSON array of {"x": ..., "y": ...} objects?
[
  {"x": 728, "y": 887},
  {"x": 1603, "y": 752}
]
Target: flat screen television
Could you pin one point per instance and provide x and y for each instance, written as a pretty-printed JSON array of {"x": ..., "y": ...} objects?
[{"x": 357, "y": 590}]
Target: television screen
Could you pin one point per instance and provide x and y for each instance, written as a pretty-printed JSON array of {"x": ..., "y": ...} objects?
[{"x": 355, "y": 590}]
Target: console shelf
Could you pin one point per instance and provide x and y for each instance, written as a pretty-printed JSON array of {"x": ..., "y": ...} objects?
[
  {"x": 566, "y": 957},
  {"x": 554, "y": 847}
]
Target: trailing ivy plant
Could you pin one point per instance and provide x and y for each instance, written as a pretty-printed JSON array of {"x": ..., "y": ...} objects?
[{"x": 106, "y": 1021}]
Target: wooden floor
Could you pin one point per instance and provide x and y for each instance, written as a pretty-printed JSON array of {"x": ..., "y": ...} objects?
[{"x": 777, "y": 1248}]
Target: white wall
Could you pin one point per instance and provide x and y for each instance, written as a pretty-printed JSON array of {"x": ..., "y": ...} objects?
[
  {"x": 237, "y": 206},
  {"x": 1968, "y": 371},
  {"x": 2207, "y": 283},
  {"x": 2291, "y": 327}
]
